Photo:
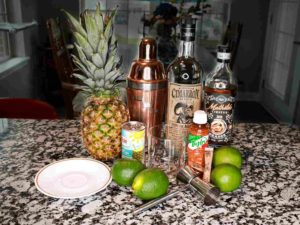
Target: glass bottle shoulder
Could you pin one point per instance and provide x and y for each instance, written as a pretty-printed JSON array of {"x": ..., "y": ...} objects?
[
  {"x": 185, "y": 70},
  {"x": 221, "y": 78}
]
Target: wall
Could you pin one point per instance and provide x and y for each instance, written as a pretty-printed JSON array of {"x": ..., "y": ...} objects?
[
  {"x": 253, "y": 14},
  {"x": 295, "y": 84},
  {"x": 52, "y": 9},
  {"x": 296, "y": 87},
  {"x": 18, "y": 83},
  {"x": 31, "y": 43},
  {"x": 21, "y": 81},
  {"x": 27, "y": 80}
]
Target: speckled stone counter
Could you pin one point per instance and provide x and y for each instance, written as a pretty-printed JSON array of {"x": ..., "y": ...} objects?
[{"x": 270, "y": 193}]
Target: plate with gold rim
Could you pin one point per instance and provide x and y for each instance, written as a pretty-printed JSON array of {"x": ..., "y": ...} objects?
[{"x": 73, "y": 178}]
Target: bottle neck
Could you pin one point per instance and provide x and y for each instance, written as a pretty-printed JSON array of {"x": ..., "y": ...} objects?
[
  {"x": 186, "y": 49},
  {"x": 223, "y": 64},
  {"x": 221, "y": 77}
]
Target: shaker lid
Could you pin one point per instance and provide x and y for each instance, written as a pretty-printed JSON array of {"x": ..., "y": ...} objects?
[
  {"x": 147, "y": 68},
  {"x": 147, "y": 49}
]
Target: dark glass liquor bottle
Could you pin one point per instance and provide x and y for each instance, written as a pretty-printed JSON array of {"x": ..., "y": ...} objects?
[
  {"x": 219, "y": 98},
  {"x": 184, "y": 84}
]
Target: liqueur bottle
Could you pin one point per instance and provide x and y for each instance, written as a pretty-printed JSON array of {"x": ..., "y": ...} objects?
[
  {"x": 219, "y": 97},
  {"x": 184, "y": 85}
]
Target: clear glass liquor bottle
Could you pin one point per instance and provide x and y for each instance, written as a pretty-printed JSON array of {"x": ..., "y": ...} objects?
[
  {"x": 184, "y": 84},
  {"x": 219, "y": 98}
]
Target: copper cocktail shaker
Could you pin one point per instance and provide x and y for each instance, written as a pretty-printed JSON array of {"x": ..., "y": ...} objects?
[{"x": 147, "y": 86}]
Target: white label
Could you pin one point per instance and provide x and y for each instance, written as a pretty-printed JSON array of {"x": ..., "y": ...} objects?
[
  {"x": 183, "y": 101},
  {"x": 223, "y": 55}
]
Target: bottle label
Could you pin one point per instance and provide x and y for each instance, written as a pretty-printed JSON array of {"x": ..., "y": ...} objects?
[
  {"x": 196, "y": 150},
  {"x": 196, "y": 142},
  {"x": 223, "y": 55},
  {"x": 219, "y": 108},
  {"x": 183, "y": 100}
]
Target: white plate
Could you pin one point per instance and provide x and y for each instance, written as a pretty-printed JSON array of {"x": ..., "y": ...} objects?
[{"x": 73, "y": 178}]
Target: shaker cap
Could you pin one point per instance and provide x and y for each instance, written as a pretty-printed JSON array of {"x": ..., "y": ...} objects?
[
  {"x": 147, "y": 49},
  {"x": 146, "y": 68},
  {"x": 200, "y": 117}
]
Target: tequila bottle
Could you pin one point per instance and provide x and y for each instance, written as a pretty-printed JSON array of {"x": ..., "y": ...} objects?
[{"x": 184, "y": 84}]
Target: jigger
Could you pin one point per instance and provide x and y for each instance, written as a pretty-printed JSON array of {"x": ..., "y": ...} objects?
[
  {"x": 207, "y": 191},
  {"x": 186, "y": 175}
]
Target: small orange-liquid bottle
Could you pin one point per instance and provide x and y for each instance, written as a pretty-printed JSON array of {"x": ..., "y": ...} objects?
[{"x": 197, "y": 141}]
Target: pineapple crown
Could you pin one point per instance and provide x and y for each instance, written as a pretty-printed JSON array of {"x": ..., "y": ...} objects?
[{"x": 97, "y": 56}]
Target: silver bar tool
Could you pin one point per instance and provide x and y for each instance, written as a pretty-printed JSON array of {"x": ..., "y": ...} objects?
[{"x": 186, "y": 175}]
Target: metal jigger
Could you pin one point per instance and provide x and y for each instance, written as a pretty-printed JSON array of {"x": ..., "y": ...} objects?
[
  {"x": 207, "y": 191},
  {"x": 186, "y": 175}
]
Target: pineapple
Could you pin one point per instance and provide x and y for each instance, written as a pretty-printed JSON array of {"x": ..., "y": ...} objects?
[{"x": 102, "y": 113}]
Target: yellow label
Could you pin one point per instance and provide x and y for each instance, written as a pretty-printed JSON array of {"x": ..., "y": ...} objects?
[{"x": 183, "y": 101}]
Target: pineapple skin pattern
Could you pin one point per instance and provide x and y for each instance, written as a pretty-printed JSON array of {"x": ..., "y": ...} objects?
[
  {"x": 101, "y": 122},
  {"x": 102, "y": 113}
]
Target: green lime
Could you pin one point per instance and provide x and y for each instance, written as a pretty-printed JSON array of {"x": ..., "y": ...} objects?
[
  {"x": 124, "y": 170},
  {"x": 226, "y": 177},
  {"x": 227, "y": 154},
  {"x": 150, "y": 183}
]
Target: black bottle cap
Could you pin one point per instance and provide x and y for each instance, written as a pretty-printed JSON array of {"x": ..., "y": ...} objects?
[
  {"x": 223, "y": 48},
  {"x": 188, "y": 28}
]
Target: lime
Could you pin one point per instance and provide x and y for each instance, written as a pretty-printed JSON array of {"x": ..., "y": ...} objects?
[
  {"x": 150, "y": 183},
  {"x": 226, "y": 177},
  {"x": 227, "y": 154},
  {"x": 124, "y": 170}
]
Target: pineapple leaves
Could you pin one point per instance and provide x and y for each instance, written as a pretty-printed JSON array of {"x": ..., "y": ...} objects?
[
  {"x": 111, "y": 76},
  {"x": 97, "y": 56},
  {"x": 99, "y": 19},
  {"x": 80, "y": 53},
  {"x": 109, "y": 25},
  {"x": 79, "y": 101},
  {"x": 76, "y": 26},
  {"x": 92, "y": 30},
  {"x": 112, "y": 43},
  {"x": 97, "y": 60},
  {"x": 103, "y": 49},
  {"x": 109, "y": 65},
  {"x": 108, "y": 29},
  {"x": 79, "y": 76},
  {"x": 91, "y": 67},
  {"x": 100, "y": 83},
  {"x": 99, "y": 74},
  {"x": 86, "y": 47},
  {"x": 89, "y": 82},
  {"x": 81, "y": 67},
  {"x": 108, "y": 85},
  {"x": 113, "y": 13}
]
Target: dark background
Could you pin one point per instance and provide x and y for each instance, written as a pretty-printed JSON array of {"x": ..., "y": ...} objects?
[{"x": 37, "y": 78}]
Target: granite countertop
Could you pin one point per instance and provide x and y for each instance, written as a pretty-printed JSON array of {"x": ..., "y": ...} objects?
[{"x": 270, "y": 193}]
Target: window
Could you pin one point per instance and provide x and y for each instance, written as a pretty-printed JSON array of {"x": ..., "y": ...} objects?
[
  {"x": 283, "y": 34},
  {"x": 4, "y": 36}
]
